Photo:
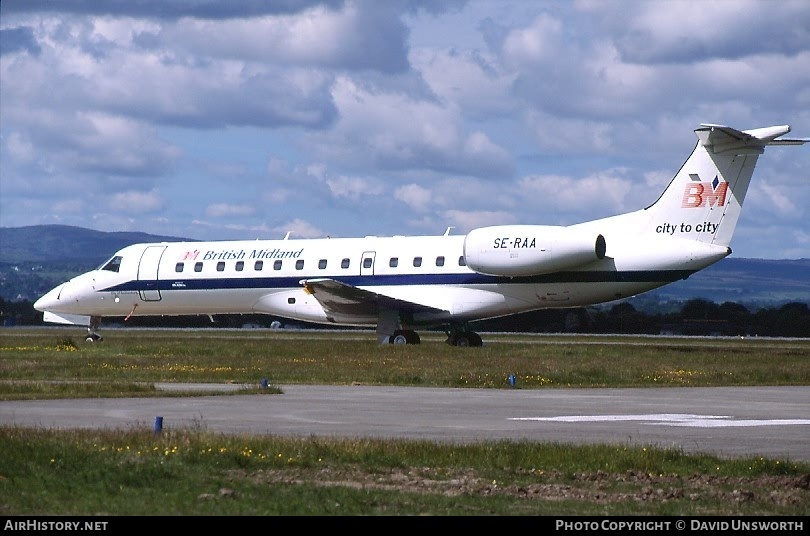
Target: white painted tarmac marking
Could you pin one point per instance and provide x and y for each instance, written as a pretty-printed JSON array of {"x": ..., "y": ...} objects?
[{"x": 673, "y": 419}]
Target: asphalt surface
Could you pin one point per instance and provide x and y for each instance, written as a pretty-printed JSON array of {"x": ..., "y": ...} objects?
[{"x": 731, "y": 422}]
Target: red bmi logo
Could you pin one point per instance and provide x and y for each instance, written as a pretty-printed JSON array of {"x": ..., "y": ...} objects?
[{"x": 703, "y": 194}]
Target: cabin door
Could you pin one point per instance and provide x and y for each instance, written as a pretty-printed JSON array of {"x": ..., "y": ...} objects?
[
  {"x": 367, "y": 263},
  {"x": 148, "y": 273}
]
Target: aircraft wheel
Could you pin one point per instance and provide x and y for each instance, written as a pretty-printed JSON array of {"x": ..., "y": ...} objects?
[
  {"x": 404, "y": 336},
  {"x": 465, "y": 339},
  {"x": 92, "y": 337},
  {"x": 413, "y": 337},
  {"x": 399, "y": 338}
]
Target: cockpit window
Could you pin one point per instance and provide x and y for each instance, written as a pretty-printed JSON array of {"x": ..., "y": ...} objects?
[{"x": 112, "y": 265}]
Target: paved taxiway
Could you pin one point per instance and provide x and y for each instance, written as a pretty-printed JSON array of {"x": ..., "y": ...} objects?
[{"x": 731, "y": 422}]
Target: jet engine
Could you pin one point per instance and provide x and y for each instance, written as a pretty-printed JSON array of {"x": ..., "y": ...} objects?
[{"x": 521, "y": 250}]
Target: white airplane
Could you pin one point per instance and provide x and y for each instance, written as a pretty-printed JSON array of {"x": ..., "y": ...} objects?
[{"x": 397, "y": 284}]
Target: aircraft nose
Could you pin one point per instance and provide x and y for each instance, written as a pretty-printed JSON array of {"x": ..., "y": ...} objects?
[{"x": 50, "y": 300}]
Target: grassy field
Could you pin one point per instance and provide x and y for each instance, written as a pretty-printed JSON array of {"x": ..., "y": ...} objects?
[
  {"x": 195, "y": 472},
  {"x": 56, "y": 362}
]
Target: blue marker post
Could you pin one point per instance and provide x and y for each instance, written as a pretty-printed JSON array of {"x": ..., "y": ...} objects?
[
  {"x": 512, "y": 380},
  {"x": 264, "y": 383},
  {"x": 158, "y": 425}
]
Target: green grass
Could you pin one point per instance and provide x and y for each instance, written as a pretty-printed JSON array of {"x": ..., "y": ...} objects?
[
  {"x": 197, "y": 472},
  {"x": 57, "y": 363}
]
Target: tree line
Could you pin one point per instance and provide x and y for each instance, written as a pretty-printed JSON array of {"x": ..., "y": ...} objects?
[{"x": 695, "y": 317}]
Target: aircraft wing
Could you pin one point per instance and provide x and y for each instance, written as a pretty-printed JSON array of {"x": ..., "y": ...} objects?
[{"x": 342, "y": 299}]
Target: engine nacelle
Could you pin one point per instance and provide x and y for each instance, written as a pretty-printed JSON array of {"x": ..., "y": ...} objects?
[{"x": 519, "y": 250}]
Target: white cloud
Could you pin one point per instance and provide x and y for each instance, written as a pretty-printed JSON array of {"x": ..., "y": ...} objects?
[
  {"x": 299, "y": 229},
  {"x": 316, "y": 36},
  {"x": 541, "y": 41},
  {"x": 647, "y": 32},
  {"x": 416, "y": 197},
  {"x": 222, "y": 210},
  {"x": 19, "y": 148},
  {"x": 602, "y": 194},
  {"x": 133, "y": 202},
  {"x": 353, "y": 187},
  {"x": 465, "y": 221},
  {"x": 397, "y": 131},
  {"x": 473, "y": 82}
]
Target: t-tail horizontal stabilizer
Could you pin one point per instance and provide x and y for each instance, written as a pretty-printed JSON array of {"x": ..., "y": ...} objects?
[{"x": 726, "y": 140}]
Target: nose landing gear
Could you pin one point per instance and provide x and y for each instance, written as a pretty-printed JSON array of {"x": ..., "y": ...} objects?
[{"x": 92, "y": 334}]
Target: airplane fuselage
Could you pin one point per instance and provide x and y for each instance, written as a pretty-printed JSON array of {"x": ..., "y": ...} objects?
[{"x": 265, "y": 276}]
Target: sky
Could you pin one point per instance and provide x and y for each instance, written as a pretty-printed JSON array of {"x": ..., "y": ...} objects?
[{"x": 210, "y": 120}]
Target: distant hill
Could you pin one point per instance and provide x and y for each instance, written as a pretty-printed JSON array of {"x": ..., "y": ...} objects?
[
  {"x": 754, "y": 283},
  {"x": 66, "y": 243},
  {"x": 37, "y": 258}
]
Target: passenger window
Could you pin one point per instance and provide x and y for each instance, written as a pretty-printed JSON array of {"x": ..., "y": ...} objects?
[
  {"x": 299, "y": 264},
  {"x": 322, "y": 264},
  {"x": 277, "y": 265},
  {"x": 198, "y": 267},
  {"x": 417, "y": 262},
  {"x": 344, "y": 263},
  {"x": 367, "y": 262},
  {"x": 461, "y": 261},
  {"x": 393, "y": 262},
  {"x": 240, "y": 265},
  {"x": 221, "y": 266},
  {"x": 440, "y": 261},
  {"x": 258, "y": 266},
  {"x": 178, "y": 267}
]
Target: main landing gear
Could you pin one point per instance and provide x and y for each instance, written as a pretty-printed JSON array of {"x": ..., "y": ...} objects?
[
  {"x": 464, "y": 338},
  {"x": 455, "y": 337},
  {"x": 404, "y": 336}
]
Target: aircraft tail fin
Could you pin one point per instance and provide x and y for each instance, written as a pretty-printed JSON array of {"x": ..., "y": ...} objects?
[{"x": 704, "y": 199}]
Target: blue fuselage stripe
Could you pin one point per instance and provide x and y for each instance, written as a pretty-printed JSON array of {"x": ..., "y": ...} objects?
[{"x": 226, "y": 283}]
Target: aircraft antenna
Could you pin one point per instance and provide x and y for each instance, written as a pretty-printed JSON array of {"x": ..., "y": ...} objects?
[{"x": 447, "y": 232}]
